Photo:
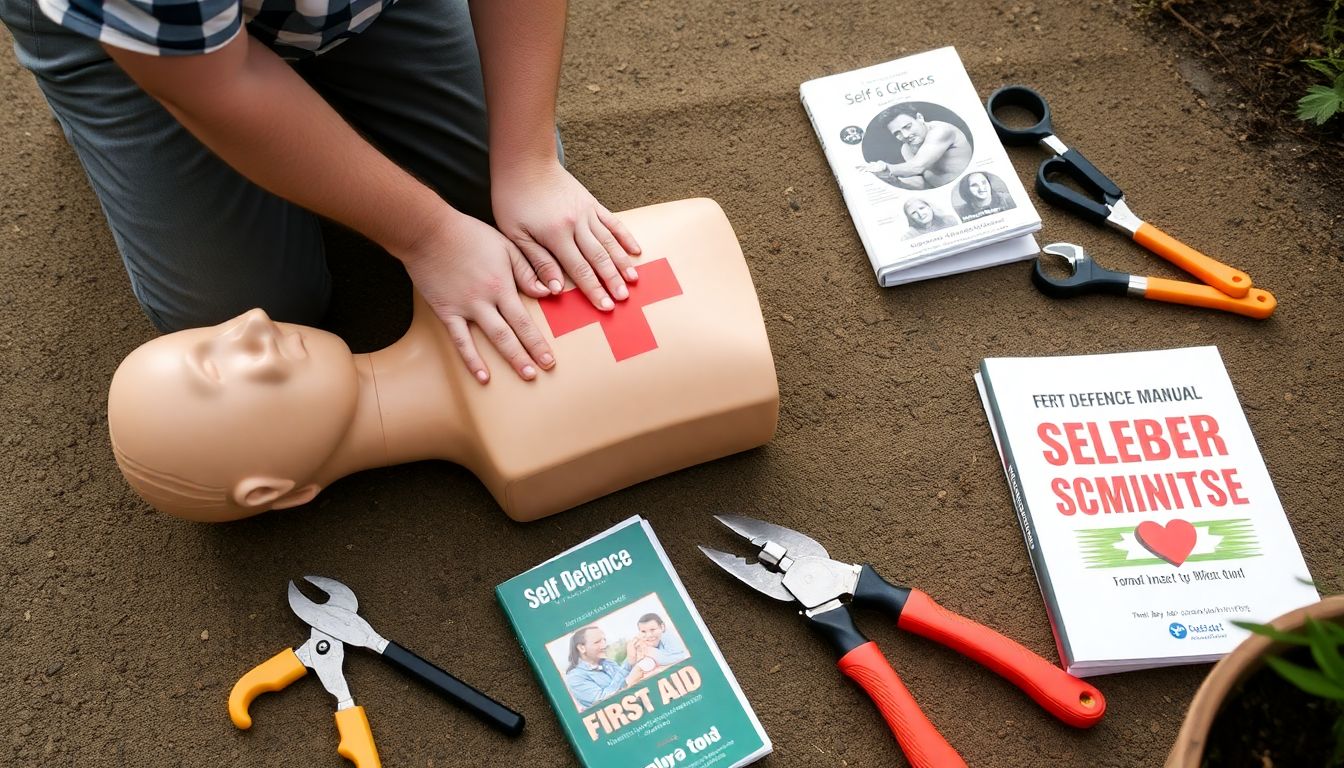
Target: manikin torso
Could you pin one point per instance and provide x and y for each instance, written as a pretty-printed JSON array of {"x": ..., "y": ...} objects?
[{"x": 679, "y": 374}]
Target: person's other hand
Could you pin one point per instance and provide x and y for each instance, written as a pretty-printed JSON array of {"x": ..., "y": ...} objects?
[
  {"x": 877, "y": 166},
  {"x": 562, "y": 229},
  {"x": 466, "y": 270}
]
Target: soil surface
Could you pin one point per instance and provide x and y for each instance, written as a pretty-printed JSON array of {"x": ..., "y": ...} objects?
[
  {"x": 124, "y": 630},
  {"x": 1267, "y": 722},
  {"x": 1256, "y": 49}
]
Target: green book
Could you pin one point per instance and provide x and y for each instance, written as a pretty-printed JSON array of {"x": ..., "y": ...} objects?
[{"x": 625, "y": 659}]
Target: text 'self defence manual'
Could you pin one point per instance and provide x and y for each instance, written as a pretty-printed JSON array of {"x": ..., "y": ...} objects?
[
  {"x": 625, "y": 660},
  {"x": 1146, "y": 507},
  {"x": 927, "y": 182}
]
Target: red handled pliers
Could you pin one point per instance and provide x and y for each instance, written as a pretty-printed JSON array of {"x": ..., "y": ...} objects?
[{"x": 795, "y": 568}]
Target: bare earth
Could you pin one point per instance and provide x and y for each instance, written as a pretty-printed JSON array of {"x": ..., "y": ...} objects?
[{"x": 123, "y": 629}]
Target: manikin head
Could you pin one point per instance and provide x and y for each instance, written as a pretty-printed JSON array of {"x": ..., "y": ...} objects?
[
  {"x": 651, "y": 629},
  {"x": 232, "y": 420}
]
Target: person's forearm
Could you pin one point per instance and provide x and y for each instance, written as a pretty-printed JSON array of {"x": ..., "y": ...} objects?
[
  {"x": 908, "y": 168},
  {"x": 262, "y": 119},
  {"x": 521, "y": 44}
]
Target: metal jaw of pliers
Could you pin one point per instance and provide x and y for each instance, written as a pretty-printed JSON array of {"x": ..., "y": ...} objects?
[
  {"x": 1087, "y": 276},
  {"x": 335, "y": 624},
  {"x": 325, "y": 655},
  {"x": 795, "y": 568}
]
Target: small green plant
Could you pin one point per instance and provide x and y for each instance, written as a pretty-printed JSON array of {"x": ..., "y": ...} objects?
[
  {"x": 1323, "y": 102},
  {"x": 1326, "y": 680}
]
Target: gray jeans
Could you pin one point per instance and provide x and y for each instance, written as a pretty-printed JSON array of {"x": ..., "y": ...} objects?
[{"x": 200, "y": 242}]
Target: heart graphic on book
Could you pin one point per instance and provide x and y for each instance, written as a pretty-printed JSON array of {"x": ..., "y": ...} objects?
[{"x": 1172, "y": 542}]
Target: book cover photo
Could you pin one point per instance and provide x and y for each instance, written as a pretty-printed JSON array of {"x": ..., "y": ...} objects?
[
  {"x": 922, "y": 171},
  {"x": 625, "y": 660},
  {"x": 1146, "y": 507}
]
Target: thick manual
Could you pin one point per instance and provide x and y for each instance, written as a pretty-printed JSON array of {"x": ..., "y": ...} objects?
[
  {"x": 1147, "y": 510},
  {"x": 927, "y": 182},
  {"x": 626, "y": 661}
]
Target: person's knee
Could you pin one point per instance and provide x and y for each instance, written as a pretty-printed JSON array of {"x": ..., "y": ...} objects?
[{"x": 178, "y": 307}]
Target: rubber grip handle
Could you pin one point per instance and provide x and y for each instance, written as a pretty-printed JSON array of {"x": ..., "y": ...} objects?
[
  {"x": 1229, "y": 280},
  {"x": 921, "y": 742},
  {"x": 271, "y": 675},
  {"x": 492, "y": 712},
  {"x": 1256, "y": 303},
  {"x": 356, "y": 738},
  {"x": 1066, "y": 697}
]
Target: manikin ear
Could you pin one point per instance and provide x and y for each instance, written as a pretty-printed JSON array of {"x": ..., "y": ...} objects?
[{"x": 262, "y": 493}]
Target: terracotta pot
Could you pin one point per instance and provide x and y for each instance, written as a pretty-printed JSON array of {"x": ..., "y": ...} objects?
[{"x": 1236, "y": 667}]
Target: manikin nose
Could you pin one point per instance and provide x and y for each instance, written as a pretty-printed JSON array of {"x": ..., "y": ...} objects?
[{"x": 259, "y": 340}]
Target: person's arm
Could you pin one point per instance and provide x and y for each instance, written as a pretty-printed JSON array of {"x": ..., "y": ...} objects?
[
  {"x": 560, "y": 227},
  {"x": 588, "y": 691},
  {"x": 250, "y": 108},
  {"x": 936, "y": 143},
  {"x": 667, "y": 655}
]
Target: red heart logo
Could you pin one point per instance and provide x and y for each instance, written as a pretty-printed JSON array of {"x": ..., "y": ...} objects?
[{"x": 1172, "y": 542}]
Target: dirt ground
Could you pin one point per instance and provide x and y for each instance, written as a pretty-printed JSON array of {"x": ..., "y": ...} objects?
[{"x": 123, "y": 630}]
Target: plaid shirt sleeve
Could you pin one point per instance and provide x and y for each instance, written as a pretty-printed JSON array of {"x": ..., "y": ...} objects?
[{"x": 156, "y": 27}]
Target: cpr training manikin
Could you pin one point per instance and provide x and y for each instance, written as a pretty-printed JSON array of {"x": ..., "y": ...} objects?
[{"x": 221, "y": 423}]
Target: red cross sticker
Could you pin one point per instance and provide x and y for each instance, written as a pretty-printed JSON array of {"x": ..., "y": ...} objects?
[{"x": 627, "y": 330}]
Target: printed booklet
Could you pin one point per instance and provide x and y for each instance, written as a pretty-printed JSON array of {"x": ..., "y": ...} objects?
[
  {"x": 926, "y": 180},
  {"x": 625, "y": 660},
  {"x": 1146, "y": 507}
]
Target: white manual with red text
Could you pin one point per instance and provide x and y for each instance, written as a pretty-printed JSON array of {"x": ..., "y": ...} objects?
[{"x": 1146, "y": 507}]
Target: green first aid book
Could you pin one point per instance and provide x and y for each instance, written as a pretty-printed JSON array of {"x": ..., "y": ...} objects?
[{"x": 625, "y": 660}]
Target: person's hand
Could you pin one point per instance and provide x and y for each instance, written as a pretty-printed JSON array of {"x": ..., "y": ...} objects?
[
  {"x": 466, "y": 270},
  {"x": 877, "y": 166},
  {"x": 562, "y": 229}
]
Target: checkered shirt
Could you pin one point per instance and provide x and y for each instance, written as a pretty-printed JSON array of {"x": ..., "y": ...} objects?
[{"x": 295, "y": 29}]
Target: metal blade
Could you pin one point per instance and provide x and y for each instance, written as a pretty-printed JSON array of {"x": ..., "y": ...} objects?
[
  {"x": 324, "y": 655},
  {"x": 342, "y": 624},
  {"x": 759, "y": 531},
  {"x": 338, "y": 594},
  {"x": 753, "y": 575}
]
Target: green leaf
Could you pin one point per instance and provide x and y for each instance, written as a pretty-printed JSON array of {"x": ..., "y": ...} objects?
[
  {"x": 1320, "y": 104},
  {"x": 1325, "y": 651},
  {"x": 1309, "y": 680},
  {"x": 1325, "y": 67},
  {"x": 1277, "y": 635}
]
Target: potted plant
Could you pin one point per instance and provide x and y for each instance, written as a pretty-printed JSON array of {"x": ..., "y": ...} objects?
[{"x": 1290, "y": 671}]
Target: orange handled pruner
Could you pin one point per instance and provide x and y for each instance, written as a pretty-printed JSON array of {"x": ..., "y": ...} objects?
[
  {"x": 1104, "y": 202},
  {"x": 1087, "y": 276},
  {"x": 795, "y": 568},
  {"x": 324, "y": 655}
]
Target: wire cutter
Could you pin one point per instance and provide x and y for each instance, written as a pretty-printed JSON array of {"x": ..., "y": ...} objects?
[
  {"x": 334, "y": 624},
  {"x": 1110, "y": 208},
  {"x": 1087, "y": 276},
  {"x": 793, "y": 567}
]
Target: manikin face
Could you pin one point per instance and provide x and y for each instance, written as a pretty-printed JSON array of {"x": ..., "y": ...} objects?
[
  {"x": 919, "y": 213},
  {"x": 594, "y": 646},
  {"x": 651, "y": 632},
  {"x": 979, "y": 187},
  {"x": 239, "y": 415},
  {"x": 910, "y": 130}
]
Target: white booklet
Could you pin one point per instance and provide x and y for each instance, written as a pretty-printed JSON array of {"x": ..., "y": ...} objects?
[
  {"x": 1147, "y": 511},
  {"x": 922, "y": 172}
]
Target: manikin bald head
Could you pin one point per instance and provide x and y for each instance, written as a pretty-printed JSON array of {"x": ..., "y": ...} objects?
[{"x": 224, "y": 422}]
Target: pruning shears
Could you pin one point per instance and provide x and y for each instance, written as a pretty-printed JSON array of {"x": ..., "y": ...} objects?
[{"x": 794, "y": 568}]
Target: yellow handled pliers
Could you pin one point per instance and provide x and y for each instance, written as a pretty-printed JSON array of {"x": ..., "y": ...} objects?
[{"x": 324, "y": 655}]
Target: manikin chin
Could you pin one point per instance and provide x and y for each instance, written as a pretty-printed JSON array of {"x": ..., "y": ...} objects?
[{"x": 251, "y": 415}]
